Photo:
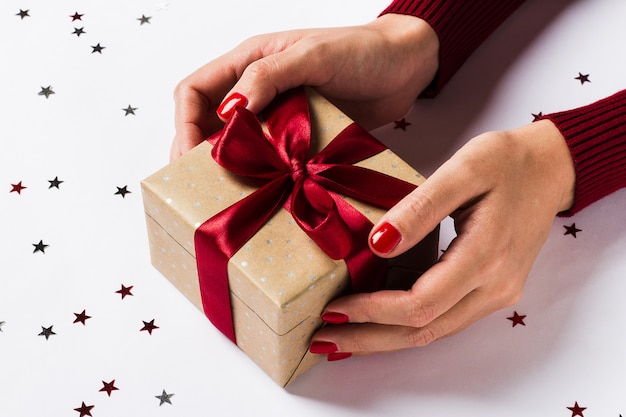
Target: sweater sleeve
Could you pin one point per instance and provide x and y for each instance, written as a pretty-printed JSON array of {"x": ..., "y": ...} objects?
[
  {"x": 460, "y": 25},
  {"x": 596, "y": 137}
]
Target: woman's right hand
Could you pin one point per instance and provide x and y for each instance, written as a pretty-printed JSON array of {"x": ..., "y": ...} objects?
[{"x": 372, "y": 72}]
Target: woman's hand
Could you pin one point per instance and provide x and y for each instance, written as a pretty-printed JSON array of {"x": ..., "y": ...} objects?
[
  {"x": 372, "y": 72},
  {"x": 503, "y": 190}
]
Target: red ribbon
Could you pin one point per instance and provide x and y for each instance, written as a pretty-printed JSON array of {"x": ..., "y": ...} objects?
[{"x": 310, "y": 190}]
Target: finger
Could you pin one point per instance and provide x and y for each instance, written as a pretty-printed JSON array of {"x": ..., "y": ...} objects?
[
  {"x": 416, "y": 215},
  {"x": 275, "y": 73},
  {"x": 198, "y": 96},
  {"x": 370, "y": 337},
  {"x": 434, "y": 293}
]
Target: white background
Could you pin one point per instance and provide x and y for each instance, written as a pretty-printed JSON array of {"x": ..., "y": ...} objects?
[{"x": 571, "y": 348}]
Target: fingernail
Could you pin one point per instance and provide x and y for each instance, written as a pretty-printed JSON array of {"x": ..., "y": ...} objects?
[
  {"x": 226, "y": 109},
  {"x": 323, "y": 347},
  {"x": 335, "y": 318},
  {"x": 385, "y": 238},
  {"x": 337, "y": 356}
]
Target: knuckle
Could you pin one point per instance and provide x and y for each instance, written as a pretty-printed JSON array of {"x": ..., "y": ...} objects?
[
  {"x": 181, "y": 90},
  {"x": 261, "y": 70},
  {"x": 420, "y": 315},
  {"x": 423, "y": 336},
  {"x": 422, "y": 206},
  {"x": 508, "y": 292}
]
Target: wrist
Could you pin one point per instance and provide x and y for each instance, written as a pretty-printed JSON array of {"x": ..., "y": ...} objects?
[
  {"x": 551, "y": 161},
  {"x": 415, "y": 47}
]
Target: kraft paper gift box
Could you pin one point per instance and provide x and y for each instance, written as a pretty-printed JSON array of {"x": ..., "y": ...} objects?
[{"x": 279, "y": 280}]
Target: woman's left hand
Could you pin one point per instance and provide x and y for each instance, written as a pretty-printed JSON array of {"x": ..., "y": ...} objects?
[{"x": 503, "y": 190}]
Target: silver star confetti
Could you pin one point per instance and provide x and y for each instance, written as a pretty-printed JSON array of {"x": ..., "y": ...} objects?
[
  {"x": 46, "y": 332},
  {"x": 164, "y": 398},
  {"x": 46, "y": 91},
  {"x": 129, "y": 110},
  {"x": 144, "y": 19}
]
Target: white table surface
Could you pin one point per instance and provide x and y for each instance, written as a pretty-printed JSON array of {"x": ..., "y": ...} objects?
[{"x": 570, "y": 350}]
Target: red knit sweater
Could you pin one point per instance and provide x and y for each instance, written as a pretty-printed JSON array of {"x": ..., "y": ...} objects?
[{"x": 595, "y": 134}]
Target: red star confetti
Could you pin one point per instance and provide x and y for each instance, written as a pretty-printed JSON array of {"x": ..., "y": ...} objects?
[
  {"x": 401, "y": 124},
  {"x": 81, "y": 317},
  {"x": 148, "y": 326},
  {"x": 77, "y": 16},
  {"x": 517, "y": 319},
  {"x": 571, "y": 230},
  {"x": 84, "y": 410},
  {"x": 583, "y": 78},
  {"x": 108, "y": 387},
  {"x": 17, "y": 188},
  {"x": 577, "y": 410},
  {"x": 124, "y": 291}
]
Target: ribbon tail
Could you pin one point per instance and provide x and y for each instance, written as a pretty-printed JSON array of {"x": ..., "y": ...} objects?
[
  {"x": 368, "y": 272},
  {"x": 220, "y": 237}
]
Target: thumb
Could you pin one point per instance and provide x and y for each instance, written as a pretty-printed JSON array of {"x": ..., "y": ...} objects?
[{"x": 417, "y": 214}]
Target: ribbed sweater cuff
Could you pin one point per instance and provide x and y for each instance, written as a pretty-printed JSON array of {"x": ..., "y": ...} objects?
[
  {"x": 460, "y": 25},
  {"x": 596, "y": 137}
]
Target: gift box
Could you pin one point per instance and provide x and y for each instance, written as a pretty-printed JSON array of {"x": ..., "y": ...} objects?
[{"x": 266, "y": 286}]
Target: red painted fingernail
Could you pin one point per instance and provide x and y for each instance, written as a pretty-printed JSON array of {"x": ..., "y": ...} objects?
[
  {"x": 227, "y": 108},
  {"x": 335, "y": 318},
  {"x": 385, "y": 238},
  {"x": 323, "y": 347},
  {"x": 337, "y": 356}
]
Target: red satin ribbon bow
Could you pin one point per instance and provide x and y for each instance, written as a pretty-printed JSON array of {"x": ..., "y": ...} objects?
[{"x": 310, "y": 190}]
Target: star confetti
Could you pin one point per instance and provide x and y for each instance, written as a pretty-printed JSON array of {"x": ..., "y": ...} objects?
[
  {"x": 79, "y": 31},
  {"x": 108, "y": 387},
  {"x": 537, "y": 116},
  {"x": 401, "y": 124},
  {"x": 577, "y": 410},
  {"x": 129, "y": 110},
  {"x": 98, "y": 48},
  {"x": 583, "y": 78},
  {"x": 40, "y": 247},
  {"x": 122, "y": 191},
  {"x": 76, "y": 16},
  {"x": 17, "y": 188},
  {"x": 81, "y": 317},
  {"x": 23, "y": 13},
  {"x": 46, "y": 91},
  {"x": 55, "y": 183},
  {"x": 571, "y": 230},
  {"x": 162, "y": 5},
  {"x": 149, "y": 326},
  {"x": 84, "y": 410},
  {"x": 517, "y": 319},
  {"x": 124, "y": 291},
  {"x": 164, "y": 398},
  {"x": 144, "y": 19},
  {"x": 1, "y": 324},
  {"x": 46, "y": 332}
]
